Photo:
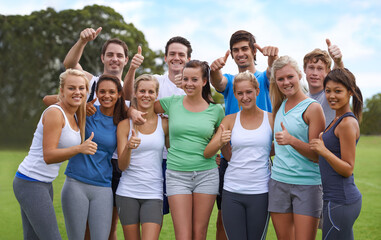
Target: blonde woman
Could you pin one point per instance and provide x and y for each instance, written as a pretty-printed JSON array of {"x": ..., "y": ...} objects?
[
  {"x": 295, "y": 193},
  {"x": 59, "y": 136}
]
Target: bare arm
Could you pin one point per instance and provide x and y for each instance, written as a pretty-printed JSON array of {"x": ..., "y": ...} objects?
[
  {"x": 126, "y": 145},
  {"x": 216, "y": 78},
  {"x": 314, "y": 117},
  {"x": 164, "y": 122},
  {"x": 53, "y": 122},
  {"x": 128, "y": 86},
  {"x": 158, "y": 108},
  {"x": 347, "y": 132},
  {"x": 50, "y": 100},
  {"x": 220, "y": 138}
]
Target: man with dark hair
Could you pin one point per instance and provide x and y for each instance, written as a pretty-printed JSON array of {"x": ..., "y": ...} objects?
[
  {"x": 243, "y": 49},
  {"x": 178, "y": 52}
]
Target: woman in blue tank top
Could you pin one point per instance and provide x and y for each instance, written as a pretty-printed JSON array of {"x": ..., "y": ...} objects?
[
  {"x": 337, "y": 150},
  {"x": 295, "y": 195},
  {"x": 87, "y": 195}
]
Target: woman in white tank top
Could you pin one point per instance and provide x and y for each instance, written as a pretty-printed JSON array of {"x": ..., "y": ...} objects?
[
  {"x": 59, "y": 136},
  {"x": 140, "y": 148},
  {"x": 245, "y": 194}
]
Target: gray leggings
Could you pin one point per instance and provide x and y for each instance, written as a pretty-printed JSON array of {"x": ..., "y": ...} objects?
[
  {"x": 37, "y": 211},
  {"x": 245, "y": 216},
  {"x": 81, "y": 203},
  {"x": 338, "y": 220}
]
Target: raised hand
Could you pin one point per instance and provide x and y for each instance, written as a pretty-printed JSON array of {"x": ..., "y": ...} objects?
[
  {"x": 134, "y": 141},
  {"x": 317, "y": 144},
  {"x": 335, "y": 53},
  {"x": 89, "y": 147},
  {"x": 225, "y": 135},
  {"x": 89, "y": 34},
  {"x": 270, "y": 52},
  {"x": 283, "y": 137},
  {"x": 90, "y": 109},
  {"x": 220, "y": 62},
  {"x": 138, "y": 59},
  {"x": 178, "y": 80}
]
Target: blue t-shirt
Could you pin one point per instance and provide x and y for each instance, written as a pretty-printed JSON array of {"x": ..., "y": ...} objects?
[
  {"x": 289, "y": 165},
  {"x": 95, "y": 169},
  {"x": 263, "y": 99},
  {"x": 336, "y": 188}
]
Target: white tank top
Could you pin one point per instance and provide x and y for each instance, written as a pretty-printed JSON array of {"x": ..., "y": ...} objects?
[
  {"x": 34, "y": 165},
  {"x": 143, "y": 179},
  {"x": 248, "y": 171}
]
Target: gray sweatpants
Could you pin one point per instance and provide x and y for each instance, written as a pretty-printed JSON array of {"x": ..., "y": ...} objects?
[
  {"x": 37, "y": 211},
  {"x": 81, "y": 203}
]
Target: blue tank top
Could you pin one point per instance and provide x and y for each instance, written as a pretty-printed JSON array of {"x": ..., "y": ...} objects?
[{"x": 336, "y": 188}]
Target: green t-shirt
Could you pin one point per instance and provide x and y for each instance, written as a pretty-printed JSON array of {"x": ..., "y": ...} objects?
[{"x": 189, "y": 133}]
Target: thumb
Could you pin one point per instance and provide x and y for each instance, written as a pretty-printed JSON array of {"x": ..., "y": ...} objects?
[
  {"x": 258, "y": 47},
  {"x": 328, "y": 42},
  {"x": 321, "y": 136},
  {"x": 133, "y": 133},
  {"x": 140, "y": 50},
  {"x": 98, "y": 31},
  {"x": 226, "y": 55},
  {"x": 283, "y": 127},
  {"x": 144, "y": 113},
  {"x": 93, "y": 101},
  {"x": 91, "y": 136},
  {"x": 222, "y": 127}
]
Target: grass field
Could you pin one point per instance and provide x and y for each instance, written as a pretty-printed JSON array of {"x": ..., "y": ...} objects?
[{"x": 367, "y": 177}]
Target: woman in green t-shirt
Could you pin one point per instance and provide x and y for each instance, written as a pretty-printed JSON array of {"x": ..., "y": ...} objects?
[{"x": 192, "y": 179}]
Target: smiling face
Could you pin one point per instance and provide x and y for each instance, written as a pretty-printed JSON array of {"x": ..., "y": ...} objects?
[
  {"x": 337, "y": 95},
  {"x": 315, "y": 74},
  {"x": 114, "y": 60},
  {"x": 107, "y": 94},
  {"x": 246, "y": 94},
  {"x": 73, "y": 92},
  {"x": 287, "y": 80},
  {"x": 176, "y": 57},
  {"x": 146, "y": 94},
  {"x": 242, "y": 55},
  {"x": 192, "y": 81}
]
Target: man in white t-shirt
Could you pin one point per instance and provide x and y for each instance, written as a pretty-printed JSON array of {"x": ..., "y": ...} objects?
[{"x": 178, "y": 52}]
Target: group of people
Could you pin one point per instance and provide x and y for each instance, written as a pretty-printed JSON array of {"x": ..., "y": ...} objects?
[{"x": 140, "y": 147}]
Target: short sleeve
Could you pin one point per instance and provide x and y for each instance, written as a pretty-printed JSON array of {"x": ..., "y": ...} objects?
[{"x": 166, "y": 103}]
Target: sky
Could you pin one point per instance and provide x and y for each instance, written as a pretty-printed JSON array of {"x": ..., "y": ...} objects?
[{"x": 296, "y": 27}]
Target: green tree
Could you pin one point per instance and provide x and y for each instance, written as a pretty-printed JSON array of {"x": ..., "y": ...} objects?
[
  {"x": 371, "y": 119},
  {"x": 32, "y": 48}
]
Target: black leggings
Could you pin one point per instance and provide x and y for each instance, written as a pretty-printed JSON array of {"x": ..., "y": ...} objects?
[{"x": 245, "y": 216}]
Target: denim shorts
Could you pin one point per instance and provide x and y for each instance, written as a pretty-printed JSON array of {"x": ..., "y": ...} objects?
[
  {"x": 179, "y": 182},
  {"x": 299, "y": 199}
]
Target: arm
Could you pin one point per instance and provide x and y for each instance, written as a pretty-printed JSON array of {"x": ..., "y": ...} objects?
[
  {"x": 220, "y": 138},
  {"x": 136, "y": 116},
  {"x": 271, "y": 53},
  {"x": 50, "y": 100},
  {"x": 347, "y": 132},
  {"x": 314, "y": 117},
  {"x": 271, "y": 121},
  {"x": 128, "y": 86},
  {"x": 74, "y": 55},
  {"x": 216, "y": 78},
  {"x": 53, "y": 122},
  {"x": 335, "y": 54},
  {"x": 164, "y": 122},
  {"x": 125, "y": 145},
  {"x": 158, "y": 108}
]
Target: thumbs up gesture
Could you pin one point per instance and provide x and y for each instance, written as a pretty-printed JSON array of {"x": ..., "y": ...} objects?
[
  {"x": 89, "y": 147},
  {"x": 225, "y": 135},
  {"x": 317, "y": 144},
  {"x": 283, "y": 137},
  {"x": 219, "y": 63},
  {"x": 90, "y": 109},
  {"x": 138, "y": 59},
  {"x": 270, "y": 52},
  {"x": 134, "y": 141},
  {"x": 335, "y": 53},
  {"x": 89, "y": 34}
]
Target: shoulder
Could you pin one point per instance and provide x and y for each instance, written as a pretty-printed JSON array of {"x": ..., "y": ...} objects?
[
  {"x": 53, "y": 115},
  {"x": 348, "y": 123}
]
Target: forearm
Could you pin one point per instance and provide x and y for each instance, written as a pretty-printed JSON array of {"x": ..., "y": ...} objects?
[
  {"x": 124, "y": 159},
  {"x": 212, "y": 149},
  {"x": 128, "y": 86},
  {"x": 74, "y": 55},
  {"x": 60, "y": 154},
  {"x": 340, "y": 166},
  {"x": 216, "y": 79},
  {"x": 304, "y": 149}
]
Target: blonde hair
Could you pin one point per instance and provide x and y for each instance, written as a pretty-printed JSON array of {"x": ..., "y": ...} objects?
[
  {"x": 245, "y": 76},
  {"x": 316, "y": 55},
  {"x": 144, "y": 77},
  {"x": 277, "y": 97},
  {"x": 81, "y": 111}
]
